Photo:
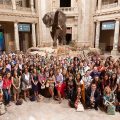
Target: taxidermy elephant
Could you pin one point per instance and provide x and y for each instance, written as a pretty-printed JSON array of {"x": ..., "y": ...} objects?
[{"x": 57, "y": 22}]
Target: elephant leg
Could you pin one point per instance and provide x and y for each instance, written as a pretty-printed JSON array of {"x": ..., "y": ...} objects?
[
  {"x": 63, "y": 40},
  {"x": 55, "y": 41}
]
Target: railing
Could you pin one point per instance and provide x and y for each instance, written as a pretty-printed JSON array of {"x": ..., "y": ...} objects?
[
  {"x": 105, "y": 6},
  {"x": 67, "y": 9},
  {"x": 5, "y": 4},
  {"x": 23, "y": 9}
]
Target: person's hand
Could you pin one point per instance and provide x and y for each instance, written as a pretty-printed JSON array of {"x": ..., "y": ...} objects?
[{"x": 92, "y": 99}]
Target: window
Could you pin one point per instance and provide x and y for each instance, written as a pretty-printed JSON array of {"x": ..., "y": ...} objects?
[{"x": 65, "y": 3}]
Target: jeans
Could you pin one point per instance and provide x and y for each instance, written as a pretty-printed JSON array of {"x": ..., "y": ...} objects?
[{"x": 7, "y": 96}]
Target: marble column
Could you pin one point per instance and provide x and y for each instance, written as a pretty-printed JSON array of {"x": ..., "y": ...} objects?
[
  {"x": 99, "y": 4},
  {"x": 33, "y": 35},
  {"x": 32, "y": 5},
  {"x": 118, "y": 2},
  {"x": 97, "y": 38},
  {"x": 16, "y": 34},
  {"x": 116, "y": 38},
  {"x": 14, "y": 4}
]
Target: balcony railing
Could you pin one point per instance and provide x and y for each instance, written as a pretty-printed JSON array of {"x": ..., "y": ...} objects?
[
  {"x": 5, "y": 4},
  {"x": 106, "y": 6},
  {"x": 26, "y": 9},
  {"x": 67, "y": 9}
]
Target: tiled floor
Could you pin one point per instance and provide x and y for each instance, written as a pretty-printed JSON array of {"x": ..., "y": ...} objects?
[{"x": 51, "y": 110}]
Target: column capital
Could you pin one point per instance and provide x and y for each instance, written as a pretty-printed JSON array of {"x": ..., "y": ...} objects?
[{"x": 117, "y": 19}]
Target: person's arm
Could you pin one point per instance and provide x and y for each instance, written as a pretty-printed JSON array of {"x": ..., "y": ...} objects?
[
  {"x": 13, "y": 83},
  {"x": 32, "y": 79},
  {"x": 19, "y": 81}
]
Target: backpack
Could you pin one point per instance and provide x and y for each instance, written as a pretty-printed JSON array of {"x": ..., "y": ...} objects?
[
  {"x": 19, "y": 102},
  {"x": 32, "y": 98}
]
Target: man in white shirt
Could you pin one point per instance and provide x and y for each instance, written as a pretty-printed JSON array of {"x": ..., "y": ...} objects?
[{"x": 87, "y": 79}]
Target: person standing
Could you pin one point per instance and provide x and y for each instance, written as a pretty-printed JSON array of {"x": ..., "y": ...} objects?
[
  {"x": 7, "y": 88},
  {"x": 16, "y": 81}
]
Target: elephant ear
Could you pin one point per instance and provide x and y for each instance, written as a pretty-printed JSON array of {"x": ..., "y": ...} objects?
[{"x": 48, "y": 19}]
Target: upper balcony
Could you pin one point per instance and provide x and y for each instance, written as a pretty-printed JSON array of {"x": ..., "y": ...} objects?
[
  {"x": 24, "y": 6},
  {"x": 107, "y": 6},
  {"x": 69, "y": 11}
]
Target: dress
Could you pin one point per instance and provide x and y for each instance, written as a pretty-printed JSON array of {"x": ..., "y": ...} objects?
[
  {"x": 35, "y": 87},
  {"x": 16, "y": 82}
]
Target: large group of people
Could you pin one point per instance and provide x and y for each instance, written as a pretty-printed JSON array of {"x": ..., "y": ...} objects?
[{"x": 91, "y": 82}]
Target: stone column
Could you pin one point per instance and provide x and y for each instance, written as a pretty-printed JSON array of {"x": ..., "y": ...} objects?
[
  {"x": 118, "y": 2},
  {"x": 14, "y": 4},
  {"x": 32, "y": 5},
  {"x": 33, "y": 35},
  {"x": 116, "y": 38},
  {"x": 16, "y": 34},
  {"x": 99, "y": 4},
  {"x": 97, "y": 38}
]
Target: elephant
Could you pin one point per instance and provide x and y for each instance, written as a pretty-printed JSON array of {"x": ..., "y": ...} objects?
[{"x": 57, "y": 22}]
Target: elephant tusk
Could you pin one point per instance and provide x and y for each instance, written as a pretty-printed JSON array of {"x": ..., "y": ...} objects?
[{"x": 59, "y": 27}]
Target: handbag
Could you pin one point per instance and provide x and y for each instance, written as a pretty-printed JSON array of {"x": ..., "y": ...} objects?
[
  {"x": 47, "y": 84},
  {"x": 42, "y": 86},
  {"x": 111, "y": 110},
  {"x": 80, "y": 107}
]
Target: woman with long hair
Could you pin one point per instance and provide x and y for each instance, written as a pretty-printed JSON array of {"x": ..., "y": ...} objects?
[
  {"x": 79, "y": 83},
  {"x": 113, "y": 82},
  {"x": 34, "y": 82},
  {"x": 26, "y": 83},
  {"x": 16, "y": 81},
  {"x": 51, "y": 82}
]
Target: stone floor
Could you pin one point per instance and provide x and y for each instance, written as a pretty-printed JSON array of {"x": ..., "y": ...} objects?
[{"x": 51, "y": 110}]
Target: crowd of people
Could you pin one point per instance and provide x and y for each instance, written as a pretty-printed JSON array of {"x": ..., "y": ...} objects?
[{"x": 90, "y": 82}]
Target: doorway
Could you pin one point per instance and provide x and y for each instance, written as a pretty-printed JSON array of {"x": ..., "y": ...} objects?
[
  {"x": 65, "y": 3},
  {"x": 68, "y": 35},
  {"x": 2, "y": 40},
  {"x": 107, "y": 35},
  {"x": 24, "y": 41}
]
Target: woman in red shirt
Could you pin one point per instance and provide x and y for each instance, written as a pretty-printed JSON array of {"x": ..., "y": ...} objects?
[{"x": 6, "y": 88}]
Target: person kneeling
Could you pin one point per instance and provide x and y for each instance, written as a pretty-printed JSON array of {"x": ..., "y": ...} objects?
[
  {"x": 76, "y": 101},
  {"x": 92, "y": 97}
]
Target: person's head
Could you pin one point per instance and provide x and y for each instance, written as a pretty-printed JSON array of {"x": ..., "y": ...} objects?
[
  {"x": 64, "y": 71},
  {"x": 106, "y": 77},
  {"x": 118, "y": 70},
  {"x": 8, "y": 75},
  {"x": 26, "y": 70},
  {"x": 78, "y": 76},
  {"x": 87, "y": 73},
  {"x": 95, "y": 69},
  {"x": 96, "y": 78},
  {"x": 34, "y": 70},
  {"x": 58, "y": 70},
  {"x": 81, "y": 64},
  {"x": 70, "y": 77},
  {"x": 107, "y": 90},
  {"x": 78, "y": 90},
  {"x": 15, "y": 73},
  {"x": 51, "y": 72},
  {"x": 93, "y": 86},
  {"x": 114, "y": 76}
]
